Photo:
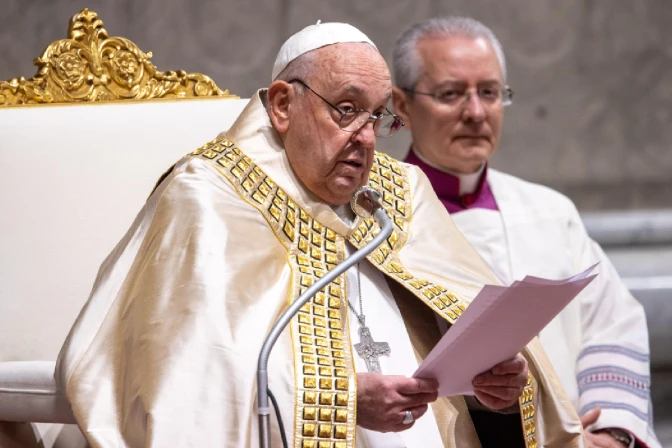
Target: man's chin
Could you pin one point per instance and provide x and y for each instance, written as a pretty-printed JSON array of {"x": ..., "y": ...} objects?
[
  {"x": 343, "y": 192},
  {"x": 476, "y": 153},
  {"x": 336, "y": 199}
]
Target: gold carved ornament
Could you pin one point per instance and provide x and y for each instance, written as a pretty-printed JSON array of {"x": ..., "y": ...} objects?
[{"x": 90, "y": 66}]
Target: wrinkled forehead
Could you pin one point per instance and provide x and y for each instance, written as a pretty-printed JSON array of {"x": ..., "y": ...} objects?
[
  {"x": 351, "y": 68},
  {"x": 348, "y": 50},
  {"x": 458, "y": 58}
]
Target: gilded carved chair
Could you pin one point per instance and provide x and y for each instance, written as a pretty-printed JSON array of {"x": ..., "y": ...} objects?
[{"x": 81, "y": 145}]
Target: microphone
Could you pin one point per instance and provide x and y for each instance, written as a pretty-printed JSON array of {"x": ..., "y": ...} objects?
[{"x": 366, "y": 204}]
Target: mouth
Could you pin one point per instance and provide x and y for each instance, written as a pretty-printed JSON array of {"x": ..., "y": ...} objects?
[
  {"x": 353, "y": 163},
  {"x": 351, "y": 168},
  {"x": 472, "y": 137}
]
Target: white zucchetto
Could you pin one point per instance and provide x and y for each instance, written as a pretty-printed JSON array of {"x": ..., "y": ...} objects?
[{"x": 313, "y": 37}]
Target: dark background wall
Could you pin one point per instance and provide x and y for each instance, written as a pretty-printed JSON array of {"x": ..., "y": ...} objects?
[{"x": 593, "y": 79}]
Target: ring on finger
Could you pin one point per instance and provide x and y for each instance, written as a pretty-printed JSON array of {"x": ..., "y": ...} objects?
[{"x": 408, "y": 418}]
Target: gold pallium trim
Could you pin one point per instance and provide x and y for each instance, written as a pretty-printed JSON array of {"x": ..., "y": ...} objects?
[
  {"x": 90, "y": 66},
  {"x": 527, "y": 412},
  {"x": 325, "y": 393},
  {"x": 388, "y": 177}
]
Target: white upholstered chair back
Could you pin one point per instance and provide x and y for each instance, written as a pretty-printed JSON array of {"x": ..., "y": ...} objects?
[
  {"x": 73, "y": 179},
  {"x": 77, "y": 162}
]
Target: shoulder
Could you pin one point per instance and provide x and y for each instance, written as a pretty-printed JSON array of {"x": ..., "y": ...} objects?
[
  {"x": 536, "y": 196},
  {"x": 194, "y": 185},
  {"x": 414, "y": 176},
  {"x": 419, "y": 186},
  {"x": 387, "y": 168}
]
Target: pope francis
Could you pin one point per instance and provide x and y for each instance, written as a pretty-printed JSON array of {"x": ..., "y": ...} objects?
[{"x": 164, "y": 353}]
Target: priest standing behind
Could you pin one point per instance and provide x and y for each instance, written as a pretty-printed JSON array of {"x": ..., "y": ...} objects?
[
  {"x": 450, "y": 77},
  {"x": 164, "y": 353}
]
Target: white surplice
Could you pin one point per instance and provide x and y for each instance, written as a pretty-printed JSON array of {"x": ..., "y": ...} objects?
[{"x": 599, "y": 343}]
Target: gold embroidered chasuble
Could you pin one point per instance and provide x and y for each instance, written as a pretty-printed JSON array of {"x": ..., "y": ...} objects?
[{"x": 164, "y": 353}]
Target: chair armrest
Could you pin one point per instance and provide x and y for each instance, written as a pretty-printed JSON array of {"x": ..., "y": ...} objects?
[{"x": 28, "y": 393}]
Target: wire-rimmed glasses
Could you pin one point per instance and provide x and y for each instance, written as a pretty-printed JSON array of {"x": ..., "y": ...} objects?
[{"x": 384, "y": 123}]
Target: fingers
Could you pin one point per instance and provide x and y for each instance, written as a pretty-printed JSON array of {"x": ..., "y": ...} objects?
[
  {"x": 515, "y": 366},
  {"x": 409, "y": 401},
  {"x": 602, "y": 441},
  {"x": 492, "y": 402},
  {"x": 511, "y": 373},
  {"x": 417, "y": 391},
  {"x": 508, "y": 394},
  {"x": 410, "y": 386},
  {"x": 416, "y": 412},
  {"x": 590, "y": 441},
  {"x": 503, "y": 384},
  {"x": 590, "y": 417},
  {"x": 509, "y": 380},
  {"x": 403, "y": 392},
  {"x": 380, "y": 401}
]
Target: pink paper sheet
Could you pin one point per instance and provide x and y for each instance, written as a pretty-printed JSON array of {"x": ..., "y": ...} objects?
[{"x": 496, "y": 326}]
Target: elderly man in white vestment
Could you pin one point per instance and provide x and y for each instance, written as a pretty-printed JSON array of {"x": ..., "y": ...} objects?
[
  {"x": 450, "y": 77},
  {"x": 164, "y": 353}
]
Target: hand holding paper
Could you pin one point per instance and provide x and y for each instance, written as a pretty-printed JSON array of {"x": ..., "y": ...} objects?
[
  {"x": 500, "y": 387},
  {"x": 382, "y": 400},
  {"x": 496, "y": 326}
]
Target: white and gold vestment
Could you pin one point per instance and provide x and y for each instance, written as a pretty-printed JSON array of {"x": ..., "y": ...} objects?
[{"x": 165, "y": 351}]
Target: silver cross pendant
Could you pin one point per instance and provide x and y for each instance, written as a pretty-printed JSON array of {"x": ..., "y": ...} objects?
[{"x": 370, "y": 350}]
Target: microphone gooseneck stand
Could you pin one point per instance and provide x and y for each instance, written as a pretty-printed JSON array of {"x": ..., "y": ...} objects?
[{"x": 365, "y": 203}]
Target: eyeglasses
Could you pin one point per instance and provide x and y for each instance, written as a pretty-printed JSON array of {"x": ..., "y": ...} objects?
[
  {"x": 458, "y": 96},
  {"x": 352, "y": 120}
]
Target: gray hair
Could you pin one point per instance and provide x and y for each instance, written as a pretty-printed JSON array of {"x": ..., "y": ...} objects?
[
  {"x": 299, "y": 68},
  {"x": 406, "y": 62}
]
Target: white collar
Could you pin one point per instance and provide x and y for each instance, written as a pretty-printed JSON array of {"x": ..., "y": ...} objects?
[{"x": 468, "y": 182}]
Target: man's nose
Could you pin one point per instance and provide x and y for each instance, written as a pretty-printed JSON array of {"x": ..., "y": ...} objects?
[
  {"x": 474, "y": 109},
  {"x": 366, "y": 136}
]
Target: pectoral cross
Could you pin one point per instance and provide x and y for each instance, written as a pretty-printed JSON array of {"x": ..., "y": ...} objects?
[{"x": 370, "y": 350}]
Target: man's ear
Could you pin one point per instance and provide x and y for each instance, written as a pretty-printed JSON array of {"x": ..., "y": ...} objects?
[
  {"x": 401, "y": 102},
  {"x": 280, "y": 96}
]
